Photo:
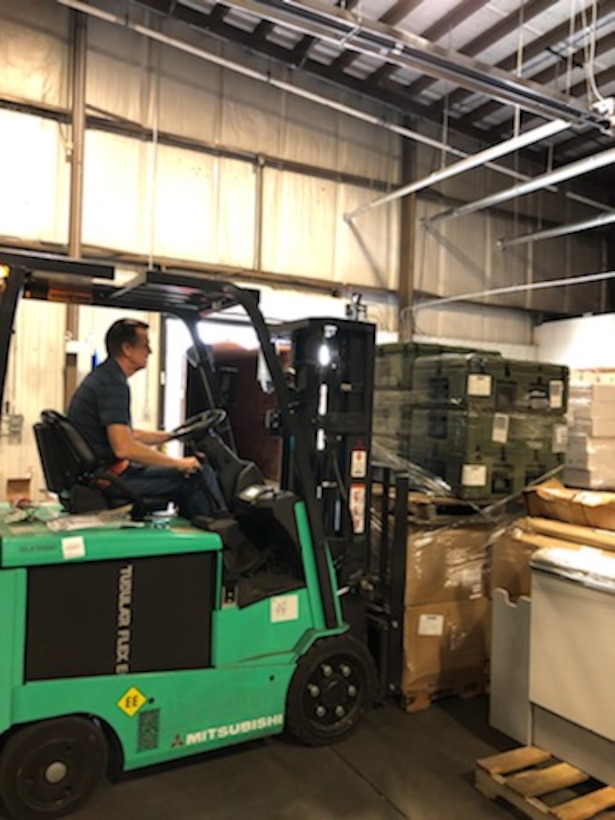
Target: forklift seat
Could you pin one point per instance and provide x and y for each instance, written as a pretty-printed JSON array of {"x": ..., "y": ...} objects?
[{"x": 74, "y": 472}]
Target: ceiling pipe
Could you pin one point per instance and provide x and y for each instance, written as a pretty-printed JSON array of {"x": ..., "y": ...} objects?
[
  {"x": 473, "y": 161},
  {"x": 560, "y": 230},
  {"x": 574, "y": 169},
  {"x": 347, "y": 30},
  {"x": 548, "y": 283},
  {"x": 400, "y": 130}
]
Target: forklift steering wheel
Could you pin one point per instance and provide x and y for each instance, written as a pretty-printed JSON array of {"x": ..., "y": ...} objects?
[{"x": 198, "y": 425}]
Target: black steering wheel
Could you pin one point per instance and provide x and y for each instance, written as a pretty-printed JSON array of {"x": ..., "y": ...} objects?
[{"x": 196, "y": 426}]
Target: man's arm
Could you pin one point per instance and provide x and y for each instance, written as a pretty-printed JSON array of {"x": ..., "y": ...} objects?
[
  {"x": 126, "y": 445},
  {"x": 152, "y": 438}
]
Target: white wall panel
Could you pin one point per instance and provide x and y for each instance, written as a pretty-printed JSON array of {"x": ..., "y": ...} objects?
[
  {"x": 118, "y": 80},
  {"x": 299, "y": 224},
  {"x": 34, "y": 178},
  {"x": 115, "y": 186},
  {"x": 580, "y": 343},
  {"x": 204, "y": 208},
  {"x": 367, "y": 253},
  {"x": 476, "y": 323},
  {"x": 33, "y": 53},
  {"x": 35, "y": 381},
  {"x": 251, "y": 114},
  {"x": 368, "y": 150}
]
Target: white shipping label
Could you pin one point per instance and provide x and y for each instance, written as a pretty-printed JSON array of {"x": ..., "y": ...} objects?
[
  {"x": 474, "y": 475},
  {"x": 560, "y": 438},
  {"x": 284, "y": 608},
  {"x": 73, "y": 547},
  {"x": 556, "y": 394},
  {"x": 499, "y": 431},
  {"x": 357, "y": 507},
  {"x": 431, "y": 625},
  {"x": 358, "y": 464},
  {"x": 479, "y": 384}
]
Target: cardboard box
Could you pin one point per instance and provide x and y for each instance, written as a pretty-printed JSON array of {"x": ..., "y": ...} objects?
[
  {"x": 510, "y": 560},
  {"x": 598, "y": 375},
  {"x": 588, "y": 536},
  {"x": 589, "y": 453},
  {"x": 447, "y": 563},
  {"x": 596, "y": 478},
  {"x": 593, "y": 425},
  {"x": 444, "y": 643},
  {"x": 552, "y": 499},
  {"x": 594, "y": 392}
]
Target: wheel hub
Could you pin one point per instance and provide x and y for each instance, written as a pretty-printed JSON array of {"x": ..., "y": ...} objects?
[
  {"x": 55, "y": 772},
  {"x": 333, "y": 691}
]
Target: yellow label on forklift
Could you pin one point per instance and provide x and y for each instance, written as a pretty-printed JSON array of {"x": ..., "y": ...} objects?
[{"x": 131, "y": 701}]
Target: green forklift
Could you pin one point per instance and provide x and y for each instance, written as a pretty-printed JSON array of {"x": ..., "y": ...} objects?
[{"x": 131, "y": 636}]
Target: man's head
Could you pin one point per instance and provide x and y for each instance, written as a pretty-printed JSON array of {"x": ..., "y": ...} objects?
[{"x": 127, "y": 342}]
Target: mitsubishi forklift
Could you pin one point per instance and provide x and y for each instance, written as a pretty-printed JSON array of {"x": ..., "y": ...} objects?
[{"x": 130, "y": 636}]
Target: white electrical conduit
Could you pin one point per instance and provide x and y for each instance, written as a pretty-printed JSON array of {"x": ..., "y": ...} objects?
[
  {"x": 473, "y": 161},
  {"x": 560, "y": 230},
  {"x": 548, "y": 283},
  {"x": 77, "y": 5},
  {"x": 574, "y": 169}
]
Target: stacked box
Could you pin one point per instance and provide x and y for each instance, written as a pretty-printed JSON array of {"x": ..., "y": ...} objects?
[
  {"x": 446, "y": 610},
  {"x": 591, "y": 440},
  {"x": 394, "y": 362},
  {"x": 487, "y": 455},
  {"x": 489, "y": 383},
  {"x": 486, "y": 424}
]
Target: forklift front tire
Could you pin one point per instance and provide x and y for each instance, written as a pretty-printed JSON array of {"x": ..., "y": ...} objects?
[
  {"x": 51, "y": 768},
  {"x": 333, "y": 686}
]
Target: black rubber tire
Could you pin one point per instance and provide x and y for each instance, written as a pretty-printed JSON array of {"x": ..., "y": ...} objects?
[
  {"x": 50, "y": 769},
  {"x": 332, "y": 688}
]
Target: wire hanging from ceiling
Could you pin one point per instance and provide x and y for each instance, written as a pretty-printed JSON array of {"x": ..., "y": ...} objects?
[{"x": 590, "y": 54}]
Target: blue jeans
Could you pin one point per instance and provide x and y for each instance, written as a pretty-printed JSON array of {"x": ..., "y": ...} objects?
[{"x": 195, "y": 494}]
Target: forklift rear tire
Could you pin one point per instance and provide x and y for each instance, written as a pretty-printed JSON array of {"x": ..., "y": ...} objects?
[
  {"x": 51, "y": 768},
  {"x": 332, "y": 688}
]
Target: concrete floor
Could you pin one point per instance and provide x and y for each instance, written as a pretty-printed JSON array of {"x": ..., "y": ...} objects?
[{"x": 397, "y": 765}]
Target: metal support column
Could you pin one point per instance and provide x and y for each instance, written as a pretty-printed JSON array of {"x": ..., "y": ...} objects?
[{"x": 408, "y": 242}]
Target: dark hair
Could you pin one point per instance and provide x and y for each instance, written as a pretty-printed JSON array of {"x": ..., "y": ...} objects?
[{"x": 122, "y": 331}]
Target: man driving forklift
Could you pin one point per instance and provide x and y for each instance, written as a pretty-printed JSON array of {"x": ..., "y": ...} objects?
[{"x": 100, "y": 410}]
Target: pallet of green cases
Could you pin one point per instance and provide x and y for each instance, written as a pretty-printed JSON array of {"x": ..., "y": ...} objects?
[
  {"x": 481, "y": 480},
  {"x": 398, "y": 445},
  {"x": 394, "y": 362},
  {"x": 489, "y": 383},
  {"x": 520, "y": 436},
  {"x": 392, "y": 414}
]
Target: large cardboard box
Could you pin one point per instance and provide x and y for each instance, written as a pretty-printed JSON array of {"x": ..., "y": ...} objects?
[
  {"x": 447, "y": 563},
  {"x": 510, "y": 556},
  {"x": 589, "y": 508},
  {"x": 445, "y": 643}
]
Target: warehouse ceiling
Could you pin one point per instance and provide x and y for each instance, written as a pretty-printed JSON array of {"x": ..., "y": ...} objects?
[
  {"x": 489, "y": 70},
  {"x": 468, "y": 63}
]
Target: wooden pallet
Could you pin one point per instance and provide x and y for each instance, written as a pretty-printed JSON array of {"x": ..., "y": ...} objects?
[
  {"x": 523, "y": 777},
  {"x": 433, "y": 509},
  {"x": 417, "y": 699}
]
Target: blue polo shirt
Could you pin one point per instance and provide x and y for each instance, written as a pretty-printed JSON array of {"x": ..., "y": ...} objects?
[{"x": 102, "y": 398}]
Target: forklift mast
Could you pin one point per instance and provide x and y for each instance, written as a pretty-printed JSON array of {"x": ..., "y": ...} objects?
[{"x": 332, "y": 399}]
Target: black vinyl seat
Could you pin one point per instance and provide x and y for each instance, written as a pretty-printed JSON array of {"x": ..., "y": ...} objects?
[{"x": 78, "y": 477}]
